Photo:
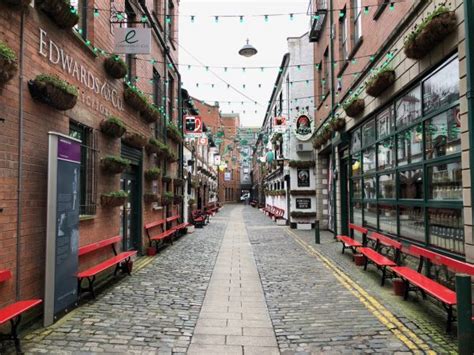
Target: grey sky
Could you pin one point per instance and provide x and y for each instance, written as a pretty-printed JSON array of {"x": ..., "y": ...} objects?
[{"x": 217, "y": 44}]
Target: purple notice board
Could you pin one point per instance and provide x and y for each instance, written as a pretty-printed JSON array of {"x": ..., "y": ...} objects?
[{"x": 69, "y": 150}]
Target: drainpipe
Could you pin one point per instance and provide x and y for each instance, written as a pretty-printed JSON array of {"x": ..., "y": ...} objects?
[
  {"x": 333, "y": 153},
  {"x": 20, "y": 157},
  {"x": 469, "y": 26}
]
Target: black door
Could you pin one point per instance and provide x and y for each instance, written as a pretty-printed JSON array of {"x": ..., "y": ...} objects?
[
  {"x": 131, "y": 210},
  {"x": 345, "y": 198}
]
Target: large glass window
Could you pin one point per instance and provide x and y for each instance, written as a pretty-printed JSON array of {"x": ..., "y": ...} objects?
[
  {"x": 357, "y": 20},
  {"x": 408, "y": 108},
  {"x": 411, "y": 184},
  {"x": 445, "y": 182},
  {"x": 406, "y": 165},
  {"x": 81, "y": 7},
  {"x": 443, "y": 134},
  {"x": 442, "y": 88},
  {"x": 410, "y": 145},
  {"x": 386, "y": 186},
  {"x": 385, "y": 154}
]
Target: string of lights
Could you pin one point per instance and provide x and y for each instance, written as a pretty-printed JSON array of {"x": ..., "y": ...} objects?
[{"x": 122, "y": 14}]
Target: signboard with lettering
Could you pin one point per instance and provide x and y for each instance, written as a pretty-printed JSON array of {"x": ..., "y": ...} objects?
[
  {"x": 304, "y": 127},
  {"x": 303, "y": 203},
  {"x": 132, "y": 40},
  {"x": 227, "y": 176},
  {"x": 62, "y": 234},
  {"x": 193, "y": 125}
]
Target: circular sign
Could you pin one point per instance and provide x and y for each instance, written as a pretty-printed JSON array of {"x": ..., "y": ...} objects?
[{"x": 304, "y": 127}]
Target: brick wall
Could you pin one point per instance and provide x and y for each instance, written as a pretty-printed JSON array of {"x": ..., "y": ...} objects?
[{"x": 39, "y": 119}]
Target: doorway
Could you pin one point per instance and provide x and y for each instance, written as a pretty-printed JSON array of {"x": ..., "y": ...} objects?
[
  {"x": 131, "y": 216},
  {"x": 344, "y": 186}
]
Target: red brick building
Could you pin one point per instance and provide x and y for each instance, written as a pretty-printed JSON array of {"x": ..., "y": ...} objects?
[{"x": 45, "y": 45}]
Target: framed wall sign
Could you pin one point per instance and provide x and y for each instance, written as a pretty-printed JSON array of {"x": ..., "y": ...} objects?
[
  {"x": 303, "y": 203},
  {"x": 303, "y": 177}
]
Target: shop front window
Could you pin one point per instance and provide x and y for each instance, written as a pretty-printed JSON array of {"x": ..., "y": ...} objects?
[
  {"x": 368, "y": 160},
  {"x": 370, "y": 215},
  {"x": 357, "y": 188},
  {"x": 411, "y": 184},
  {"x": 388, "y": 219},
  {"x": 446, "y": 229},
  {"x": 408, "y": 108},
  {"x": 387, "y": 186},
  {"x": 370, "y": 192},
  {"x": 410, "y": 145},
  {"x": 385, "y": 123},
  {"x": 412, "y": 223},
  {"x": 445, "y": 182},
  {"x": 357, "y": 213},
  {"x": 368, "y": 133},
  {"x": 443, "y": 134},
  {"x": 442, "y": 88},
  {"x": 385, "y": 154}
]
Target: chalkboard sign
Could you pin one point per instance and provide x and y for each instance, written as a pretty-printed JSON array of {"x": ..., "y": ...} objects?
[
  {"x": 62, "y": 226},
  {"x": 303, "y": 203}
]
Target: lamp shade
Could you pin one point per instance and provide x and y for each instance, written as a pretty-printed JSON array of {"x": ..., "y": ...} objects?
[{"x": 248, "y": 50}]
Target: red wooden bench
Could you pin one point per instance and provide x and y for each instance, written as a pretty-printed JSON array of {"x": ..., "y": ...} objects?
[
  {"x": 13, "y": 312},
  {"x": 349, "y": 241},
  {"x": 158, "y": 237},
  {"x": 179, "y": 226},
  {"x": 120, "y": 261},
  {"x": 429, "y": 286},
  {"x": 197, "y": 219},
  {"x": 375, "y": 255}
]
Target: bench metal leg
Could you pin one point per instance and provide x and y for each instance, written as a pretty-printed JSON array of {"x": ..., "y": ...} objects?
[
  {"x": 343, "y": 248},
  {"x": 90, "y": 287},
  {"x": 13, "y": 335},
  {"x": 407, "y": 289},
  {"x": 384, "y": 271},
  {"x": 450, "y": 319},
  {"x": 366, "y": 263}
]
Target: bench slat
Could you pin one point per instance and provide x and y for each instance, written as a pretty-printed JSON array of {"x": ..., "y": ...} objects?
[
  {"x": 106, "y": 264},
  {"x": 5, "y": 275},
  {"x": 163, "y": 235},
  {"x": 439, "y": 259},
  {"x": 172, "y": 218},
  {"x": 377, "y": 258},
  {"x": 15, "y": 309},
  {"x": 155, "y": 224},
  {"x": 98, "y": 245},
  {"x": 348, "y": 241},
  {"x": 358, "y": 228},
  {"x": 386, "y": 241},
  {"x": 435, "y": 289}
]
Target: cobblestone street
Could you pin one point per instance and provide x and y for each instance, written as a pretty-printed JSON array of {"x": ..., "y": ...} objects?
[{"x": 243, "y": 285}]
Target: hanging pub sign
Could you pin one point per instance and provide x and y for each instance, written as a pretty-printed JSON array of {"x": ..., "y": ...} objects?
[
  {"x": 193, "y": 125},
  {"x": 303, "y": 203},
  {"x": 132, "y": 40},
  {"x": 62, "y": 226},
  {"x": 303, "y": 177},
  {"x": 227, "y": 176},
  {"x": 304, "y": 127},
  {"x": 279, "y": 124}
]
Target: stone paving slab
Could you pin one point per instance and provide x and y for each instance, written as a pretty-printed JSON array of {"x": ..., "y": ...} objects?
[{"x": 226, "y": 299}]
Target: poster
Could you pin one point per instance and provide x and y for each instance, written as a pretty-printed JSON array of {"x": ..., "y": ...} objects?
[
  {"x": 227, "y": 176},
  {"x": 303, "y": 177},
  {"x": 62, "y": 226}
]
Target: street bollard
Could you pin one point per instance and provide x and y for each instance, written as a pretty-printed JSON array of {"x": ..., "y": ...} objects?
[
  {"x": 317, "y": 238},
  {"x": 465, "y": 327}
]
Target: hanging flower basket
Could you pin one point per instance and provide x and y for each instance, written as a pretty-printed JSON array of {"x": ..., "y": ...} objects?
[
  {"x": 191, "y": 202},
  {"x": 178, "y": 182},
  {"x": 177, "y": 199},
  {"x": 136, "y": 99},
  {"x": 150, "y": 197},
  {"x": 437, "y": 26},
  {"x": 337, "y": 123},
  {"x": 150, "y": 114},
  {"x": 167, "y": 199},
  {"x": 8, "y": 63},
  {"x": 152, "y": 174},
  {"x": 18, "y": 3},
  {"x": 135, "y": 140},
  {"x": 173, "y": 132},
  {"x": 155, "y": 146},
  {"x": 113, "y": 199},
  {"x": 301, "y": 163},
  {"x": 115, "y": 67},
  {"x": 303, "y": 192},
  {"x": 114, "y": 165},
  {"x": 113, "y": 127},
  {"x": 326, "y": 134},
  {"x": 52, "y": 90},
  {"x": 380, "y": 82},
  {"x": 166, "y": 179},
  {"x": 354, "y": 107},
  {"x": 171, "y": 157},
  {"x": 298, "y": 214},
  {"x": 60, "y": 12}
]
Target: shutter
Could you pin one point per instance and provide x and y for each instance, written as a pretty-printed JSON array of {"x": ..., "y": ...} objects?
[{"x": 132, "y": 154}]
